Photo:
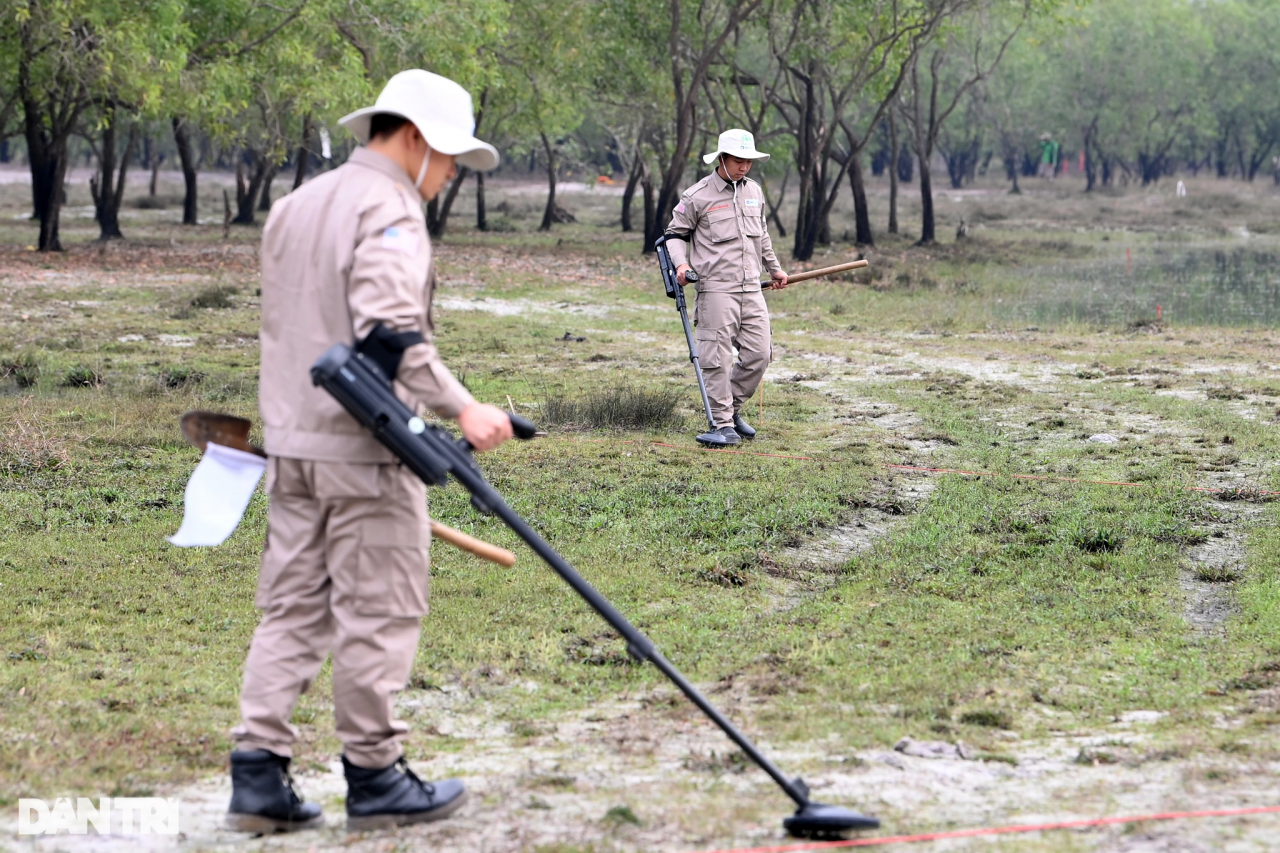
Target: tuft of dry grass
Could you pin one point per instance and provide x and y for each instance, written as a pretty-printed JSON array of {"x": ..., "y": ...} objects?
[
  {"x": 615, "y": 408},
  {"x": 29, "y": 442}
]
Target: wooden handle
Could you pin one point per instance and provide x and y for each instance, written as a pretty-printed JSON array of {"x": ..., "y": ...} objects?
[
  {"x": 230, "y": 431},
  {"x": 805, "y": 276},
  {"x": 479, "y": 547}
]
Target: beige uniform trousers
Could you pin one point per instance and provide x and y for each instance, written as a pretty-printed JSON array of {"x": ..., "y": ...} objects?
[
  {"x": 725, "y": 321},
  {"x": 345, "y": 572}
]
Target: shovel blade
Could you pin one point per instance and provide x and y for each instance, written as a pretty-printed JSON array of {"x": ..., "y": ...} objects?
[{"x": 200, "y": 428}]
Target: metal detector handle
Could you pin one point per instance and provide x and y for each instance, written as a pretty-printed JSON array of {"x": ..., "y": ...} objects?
[{"x": 523, "y": 428}]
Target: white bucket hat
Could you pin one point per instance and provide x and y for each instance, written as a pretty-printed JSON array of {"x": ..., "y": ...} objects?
[
  {"x": 438, "y": 107},
  {"x": 736, "y": 143}
]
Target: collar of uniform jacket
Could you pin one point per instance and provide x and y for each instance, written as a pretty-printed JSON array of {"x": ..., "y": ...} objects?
[
  {"x": 381, "y": 163},
  {"x": 724, "y": 185}
]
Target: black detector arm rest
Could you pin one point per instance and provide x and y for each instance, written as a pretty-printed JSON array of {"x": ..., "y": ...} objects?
[{"x": 385, "y": 348}]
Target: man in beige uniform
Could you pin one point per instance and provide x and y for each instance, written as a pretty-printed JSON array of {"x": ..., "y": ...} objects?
[
  {"x": 345, "y": 570},
  {"x": 722, "y": 234}
]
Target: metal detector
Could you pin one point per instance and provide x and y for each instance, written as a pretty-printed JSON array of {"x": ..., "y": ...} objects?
[
  {"x": 676, "y": 292},
  {"x": 434, "y": 454}
]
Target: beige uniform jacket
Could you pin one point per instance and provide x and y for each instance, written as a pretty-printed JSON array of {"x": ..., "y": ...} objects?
[
  {"x": 341, "y": 253},
  {"x": 728, "y": 240}
]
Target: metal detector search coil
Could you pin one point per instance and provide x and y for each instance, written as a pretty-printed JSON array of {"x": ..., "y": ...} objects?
[{"x": 434, "y": 454}]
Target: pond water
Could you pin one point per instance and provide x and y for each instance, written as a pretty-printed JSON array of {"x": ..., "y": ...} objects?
[{"x": 1211, "y": 286}]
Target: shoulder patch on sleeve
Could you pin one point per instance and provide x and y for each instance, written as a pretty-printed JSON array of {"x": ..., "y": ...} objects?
[
  {"x": 680, "y": 207},
  {"x": 401, "y": 240}
]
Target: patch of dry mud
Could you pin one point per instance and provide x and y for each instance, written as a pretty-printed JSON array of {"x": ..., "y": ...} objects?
[
  {"x": 668, "y": 766},
  {"x": 1037, "y": 376},
  {"x": 1208, "y": 576},
  {"x": 877, "y": 519},
  {"x": 518, "y": 307}
]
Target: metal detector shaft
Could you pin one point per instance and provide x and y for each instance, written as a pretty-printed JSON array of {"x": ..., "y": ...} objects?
[
  {"x": 693, "y": 357},
  {"x": 671, "y": 281},
  {"x": 434, "y": 454}
]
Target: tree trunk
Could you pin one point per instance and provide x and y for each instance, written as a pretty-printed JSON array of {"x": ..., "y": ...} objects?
[
  {"x": 153, "y": 160},
  {"x": 861, "y": 216},
  {"x": 182, "y": 138},
  {"x": 41, "y": 158},
  {"x": 906, "y": 166},
  {"x": 49, "y": 240},
  {"x": 894, "y": 174},
  {"x": 482, "y": 222},
  {"x": 47, "y": 156},
  {"x": 1150, "y": 166},
  {"x": 1258, "y": 157},
  {"x": 927, "y": 226},
  {"x": 962, "y": 162},
  {"x": 775, "y": 207},
  {"x": 808, "y": 164},
  {"x": 1009, "y": 157},
  {"x": 651, "y": 205},
  {"x": 656, "y": 200},
  {"x": 629, "y": 192},
  {"x": 806, "y": 237},
  {"x": 549, "y": 213},
  {"x": 108, "y": 192},
  {"x": 247, "y": 196},
  {"x": 304, "y": 155},
  {"x": 1090, "y": 163},
  {"x": 264, "y": 199},
  {"x": 442, "y": 218}
]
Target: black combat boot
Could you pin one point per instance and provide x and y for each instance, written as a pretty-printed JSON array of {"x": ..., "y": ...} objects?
[
  {"x": 262, "y": 796},
  {"x": 384, "y": 797},
  {"x": 743, "y": 428},
  {"x": 723, "y": 437}
]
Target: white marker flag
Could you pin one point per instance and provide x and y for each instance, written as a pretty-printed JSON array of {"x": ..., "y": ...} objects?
[{"x": 217, "y": 495}]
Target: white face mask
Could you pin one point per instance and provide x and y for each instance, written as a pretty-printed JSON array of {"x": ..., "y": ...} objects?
[{"x": 422, "y": 172}]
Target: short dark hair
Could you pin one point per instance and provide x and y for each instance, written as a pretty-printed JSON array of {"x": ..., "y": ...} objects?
[{"x": 385, "y": 124}]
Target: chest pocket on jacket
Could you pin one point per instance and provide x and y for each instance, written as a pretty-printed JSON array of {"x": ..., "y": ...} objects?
[
  {"x": 753, "y": 222},
  {"x": 722, "y": 224}
]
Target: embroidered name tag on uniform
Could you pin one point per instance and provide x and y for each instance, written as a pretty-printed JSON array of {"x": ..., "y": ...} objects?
[
  {"x": 718, "y": 207},
  {"x": 751, "y": 202},
  {"x": 401, "y": 241}
]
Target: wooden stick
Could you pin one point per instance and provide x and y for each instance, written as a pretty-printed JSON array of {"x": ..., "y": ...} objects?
[
  {"x": 805, "y": 276},
  {"x": 480, "y": 548}
]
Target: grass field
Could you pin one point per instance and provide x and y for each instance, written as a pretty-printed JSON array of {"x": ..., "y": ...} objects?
[{"x": 1070, "y": 648}]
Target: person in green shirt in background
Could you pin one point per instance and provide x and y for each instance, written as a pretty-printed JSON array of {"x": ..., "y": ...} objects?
[{"x": 1049, "y": 152}]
